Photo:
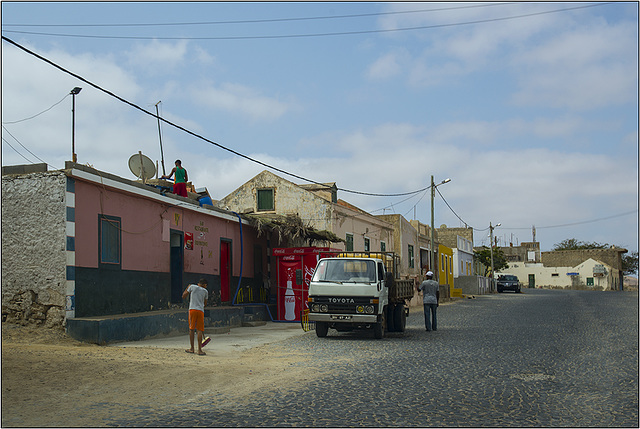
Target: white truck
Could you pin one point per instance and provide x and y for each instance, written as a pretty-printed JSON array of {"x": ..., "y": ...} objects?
[{"x": 359, "y": 291}]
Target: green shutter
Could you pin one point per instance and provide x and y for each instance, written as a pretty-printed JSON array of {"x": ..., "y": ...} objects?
[
  {"x": 265, "y": 200},
  {"x": 349, "y": 243}
]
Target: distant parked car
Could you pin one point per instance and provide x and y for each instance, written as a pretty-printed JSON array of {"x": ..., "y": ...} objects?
[{"x": 508, "y": 282}]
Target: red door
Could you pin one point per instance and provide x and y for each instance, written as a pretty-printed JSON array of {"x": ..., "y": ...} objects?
[{"x": 225, "y": 270}]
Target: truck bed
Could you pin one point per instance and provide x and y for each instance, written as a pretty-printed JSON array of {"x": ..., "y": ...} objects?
[{"x": 402, "y": 289}]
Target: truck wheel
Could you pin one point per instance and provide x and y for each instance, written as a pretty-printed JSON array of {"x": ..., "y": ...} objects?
[
  {"x": 391, "y": 326},
  {"x": 378, "y": 328},
  {"x": 399, "y": 318},
  {"x": 321, "y": 329}
]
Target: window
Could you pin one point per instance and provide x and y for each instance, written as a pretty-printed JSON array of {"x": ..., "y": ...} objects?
[
  {"x": 383, "y": 246},
  {"x": 367, "y": 245},
  {"x": 411, "y": 260},
  {"x": 349, "y": 242},
  {"x": 109, "y": 234},
  {"x": 265, "y": 200}
]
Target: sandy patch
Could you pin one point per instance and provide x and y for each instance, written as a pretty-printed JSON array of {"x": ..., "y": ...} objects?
[{"x": 49, "y": 379}]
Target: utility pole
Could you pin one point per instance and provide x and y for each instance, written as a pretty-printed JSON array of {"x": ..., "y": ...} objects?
[
  {"x": 432, "y": 258},
  {"x": 491, "y": 227},
  {"x": 432, "y": 254}
]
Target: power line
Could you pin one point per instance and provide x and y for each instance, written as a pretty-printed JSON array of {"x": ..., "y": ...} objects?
[
  {"x": 198, "y": 136},
  {"x": 16, "y": 150},
  {"x": 450, "y": 208},
  {"x": 37, "y": 157},
  {"x": 541, "y": 227},
  {"x": 261, "y": 21},
  {"x": 308, "y": 35},
  {"x": 38, "y": 114},
  {"x": 581, "y": 222}
]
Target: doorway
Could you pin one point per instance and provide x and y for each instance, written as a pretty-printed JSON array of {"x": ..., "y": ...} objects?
[
  {"x": 176, "y": 265},
  {"x": 225, "y": 270}
]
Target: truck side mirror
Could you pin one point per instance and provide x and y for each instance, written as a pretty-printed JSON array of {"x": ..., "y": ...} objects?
[{"x": 299, "y": 278}]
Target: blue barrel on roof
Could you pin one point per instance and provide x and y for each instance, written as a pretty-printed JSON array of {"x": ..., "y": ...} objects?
[{"x": 205, "y": 200}]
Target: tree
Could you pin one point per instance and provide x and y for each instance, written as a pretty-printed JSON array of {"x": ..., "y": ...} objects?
[
  {"x": 573, "y": 244},
  {"x": 484, "y": 256},
  {"x": 630, "y": 264}
]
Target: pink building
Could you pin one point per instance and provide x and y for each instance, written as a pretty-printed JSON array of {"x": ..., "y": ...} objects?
[{"x": 95, "y": 244}]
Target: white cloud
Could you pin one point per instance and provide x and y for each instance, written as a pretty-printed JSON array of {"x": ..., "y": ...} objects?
[
  {"x": 157, "y": 57},
  {"x": 388, "y": 65},
  {"x": 582, "y": 69},
  {"x": 237, "y": 98}
]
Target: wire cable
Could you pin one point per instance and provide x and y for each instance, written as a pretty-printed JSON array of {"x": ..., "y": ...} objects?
[
  {"x": 16, "y": 150},
  {"x": 306, "y": 35},
  {"x": 37, "y": 157},
  {"x": 450, "y": 208},
  {"x": 38, "y": 114},
  {"x": 261, "y": 21},
  {"x": 580, "y": 222},
  {"x": 198, "y": 136}
]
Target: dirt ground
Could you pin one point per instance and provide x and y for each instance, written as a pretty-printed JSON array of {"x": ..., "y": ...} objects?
[{"x": 51, "y": 380}]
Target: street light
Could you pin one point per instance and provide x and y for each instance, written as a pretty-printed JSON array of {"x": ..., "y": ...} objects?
[
  {"x": 431, "y": 255},
  {"x": 491, "y": 227},
  {"x": 75, "y": 91}
]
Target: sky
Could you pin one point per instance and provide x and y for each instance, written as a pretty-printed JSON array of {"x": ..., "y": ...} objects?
[{"x": 531, "y": 109}]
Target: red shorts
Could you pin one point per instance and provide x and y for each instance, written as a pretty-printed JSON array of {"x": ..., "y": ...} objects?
[
  {"x": 180, "y": 189},
  {"x": 196, "y": 320}
]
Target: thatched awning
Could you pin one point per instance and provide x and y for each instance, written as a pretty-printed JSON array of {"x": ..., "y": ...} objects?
[{"x": 290, "y": 229}]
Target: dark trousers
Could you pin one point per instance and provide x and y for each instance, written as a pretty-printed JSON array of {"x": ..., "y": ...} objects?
[{"x": 430, "y": 322}]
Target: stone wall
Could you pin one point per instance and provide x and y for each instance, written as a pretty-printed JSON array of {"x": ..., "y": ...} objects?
[
  {"x": 449, "y": 236},
  {"x": 572, "y": 258},
  {"x": 33, "y": 248}
]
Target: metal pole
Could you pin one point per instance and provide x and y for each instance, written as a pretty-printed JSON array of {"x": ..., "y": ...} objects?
[
  {"x": 75, "y": 91},
  {"x": 164, "y": 173},
  {"x": 432, "y": 254},
  {"x": 74, "y": 157},
  {"x": 491, "y": 250}
]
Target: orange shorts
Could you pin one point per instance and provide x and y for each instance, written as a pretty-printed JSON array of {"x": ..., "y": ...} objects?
[{"x": 196, "y": 320}]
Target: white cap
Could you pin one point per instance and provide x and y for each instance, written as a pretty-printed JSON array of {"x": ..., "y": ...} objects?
[{"x": 430, "y": 273}]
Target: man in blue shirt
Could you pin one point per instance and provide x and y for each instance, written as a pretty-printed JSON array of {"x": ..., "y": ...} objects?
[{"x": 430, "y": 298}]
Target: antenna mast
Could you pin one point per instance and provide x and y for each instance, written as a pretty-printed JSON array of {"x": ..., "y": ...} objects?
[{"x": 160, "y": 135}]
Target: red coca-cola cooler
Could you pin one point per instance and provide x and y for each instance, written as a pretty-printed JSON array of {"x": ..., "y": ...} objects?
[{"x": 295, "y": 268}]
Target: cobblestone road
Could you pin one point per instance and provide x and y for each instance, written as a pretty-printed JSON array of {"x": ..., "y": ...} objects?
[{"x": 541, "y": 358}]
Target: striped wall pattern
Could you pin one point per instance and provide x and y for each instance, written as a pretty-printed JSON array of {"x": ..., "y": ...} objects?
[{"x": 70, "y": 202}]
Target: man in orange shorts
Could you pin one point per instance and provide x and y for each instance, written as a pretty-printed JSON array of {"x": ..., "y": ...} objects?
[{"x": 198, "y": 295}]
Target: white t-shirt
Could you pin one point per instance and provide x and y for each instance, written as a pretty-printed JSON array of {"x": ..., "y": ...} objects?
[{"x": 197, "y": 295}]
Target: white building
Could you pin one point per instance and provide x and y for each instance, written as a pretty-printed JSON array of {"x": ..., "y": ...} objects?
[
  {"x": 463, "y": 257},
  {"x": 590, "y": 274}
]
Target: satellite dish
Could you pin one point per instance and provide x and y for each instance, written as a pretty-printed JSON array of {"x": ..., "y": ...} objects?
[{"x": 141, "y": 166}]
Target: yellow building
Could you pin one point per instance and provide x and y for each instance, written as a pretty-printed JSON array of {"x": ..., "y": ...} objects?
[{"x": 445, "y": 269}]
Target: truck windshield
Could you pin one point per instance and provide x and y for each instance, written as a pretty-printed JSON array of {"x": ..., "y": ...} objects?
[{"x": 345, "y": 271}]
